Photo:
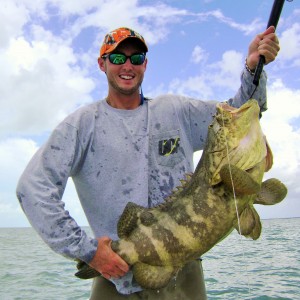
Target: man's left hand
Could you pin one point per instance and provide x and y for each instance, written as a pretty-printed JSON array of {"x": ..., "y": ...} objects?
[{"x": 266, "y": 44}]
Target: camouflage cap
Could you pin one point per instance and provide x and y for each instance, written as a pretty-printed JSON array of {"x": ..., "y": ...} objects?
[{"x": 115, "y": 37}]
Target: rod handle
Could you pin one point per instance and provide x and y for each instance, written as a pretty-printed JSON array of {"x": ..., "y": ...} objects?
[{"x": 273, "y": 21}]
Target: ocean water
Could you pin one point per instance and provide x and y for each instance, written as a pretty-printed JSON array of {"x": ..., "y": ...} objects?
[{"x": 237, "y": 268}]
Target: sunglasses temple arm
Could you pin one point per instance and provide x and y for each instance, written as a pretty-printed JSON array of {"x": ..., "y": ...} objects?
[{"x": 142, "y": 96}]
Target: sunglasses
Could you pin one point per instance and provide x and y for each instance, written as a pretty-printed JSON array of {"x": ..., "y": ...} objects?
[{"x": 120, "y": 58}]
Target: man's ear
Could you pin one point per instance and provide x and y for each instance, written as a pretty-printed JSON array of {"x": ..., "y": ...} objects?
[
  {"x": 102, "y": 65},
  {"x": 145, "y": 64}
]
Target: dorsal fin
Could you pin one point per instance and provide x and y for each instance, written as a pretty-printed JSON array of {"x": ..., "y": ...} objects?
[
  {"x": 180, "y": 188},
  {"x": 128, "y": 220}
]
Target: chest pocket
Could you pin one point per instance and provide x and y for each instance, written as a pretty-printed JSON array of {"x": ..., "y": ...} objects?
[{"x": 168, "y": 151}]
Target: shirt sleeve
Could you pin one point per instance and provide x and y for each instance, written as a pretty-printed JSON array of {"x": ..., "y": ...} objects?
[
  {"x": 40, "y": 190},
  {"x": 200, "y": 113},
  {"x": 247, "y": 88}
]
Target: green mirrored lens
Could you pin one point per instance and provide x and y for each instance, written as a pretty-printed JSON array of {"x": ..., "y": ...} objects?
[
  {"x": 117, "y": 59},
  {"x": 137, "y": 59}
]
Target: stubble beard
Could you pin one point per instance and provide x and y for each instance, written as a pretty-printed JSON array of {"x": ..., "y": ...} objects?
[{"x": 125, "y": 91}]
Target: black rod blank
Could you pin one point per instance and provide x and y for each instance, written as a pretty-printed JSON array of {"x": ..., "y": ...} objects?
[{"x": 273, "y": 21}]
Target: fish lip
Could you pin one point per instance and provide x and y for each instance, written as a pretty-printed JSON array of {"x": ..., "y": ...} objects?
[{"x": 224, "y": 106}]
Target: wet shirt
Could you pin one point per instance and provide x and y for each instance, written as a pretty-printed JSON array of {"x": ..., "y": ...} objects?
[{"x": 115, "y": 156}]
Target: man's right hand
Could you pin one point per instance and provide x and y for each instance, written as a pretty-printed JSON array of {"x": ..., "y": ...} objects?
[{"x": 107, "y": 262}]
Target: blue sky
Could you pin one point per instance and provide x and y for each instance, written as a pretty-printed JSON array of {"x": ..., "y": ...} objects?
[{"x": 49, "y": 51}]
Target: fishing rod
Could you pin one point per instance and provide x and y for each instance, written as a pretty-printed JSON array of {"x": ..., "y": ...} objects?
[{"x": 273, "y": 21}]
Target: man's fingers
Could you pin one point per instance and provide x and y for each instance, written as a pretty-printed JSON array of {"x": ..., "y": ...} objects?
[
  {"x": 106, "y": 276},
  {"x": 107, "y": 262},
  {"x": 269, "y": 30},
  {"x": 119, "y": 262},
  {"x": 122, "y": 265},
  {"x": 116, "y": 266},
  {"x": 113, "y": 272},
  {"x": 269, "y": 47}
]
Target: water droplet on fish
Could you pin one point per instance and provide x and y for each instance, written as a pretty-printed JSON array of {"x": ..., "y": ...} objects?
[{"x": 175, "y": 278}]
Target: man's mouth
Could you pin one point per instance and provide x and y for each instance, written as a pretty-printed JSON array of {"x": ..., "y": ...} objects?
[{"x": 126, "y": 77}]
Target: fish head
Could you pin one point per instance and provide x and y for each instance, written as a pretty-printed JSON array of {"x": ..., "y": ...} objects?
[{"x": 235, "y": 136}]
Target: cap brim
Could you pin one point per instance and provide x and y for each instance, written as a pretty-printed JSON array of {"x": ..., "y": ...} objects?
[{"x": 116, "y": 45}]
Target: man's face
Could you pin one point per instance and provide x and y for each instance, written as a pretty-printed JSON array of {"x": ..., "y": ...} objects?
[{"x": 125, "y": 78}]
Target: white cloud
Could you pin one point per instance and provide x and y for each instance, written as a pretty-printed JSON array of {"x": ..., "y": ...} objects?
[
  {"x": 228, "y": 70},
  {"x": 199, "y": 55},
  {"x": 281, "y": 127},
  {"x": 40, "y": 83},
  {"x": 247, "y": 29},
  {"x": 75, "y": 7},
  {"x": 14, "y": 155},
  {"x": 193, "y": 86},
  {"x": 196, "y": 157},
  {"x": 290, "y": 45},
  {"x": 281, "y": 130},
  {"x": 10, "y": 25},
  {"x": 151, "y": 21},
  {"x": 224, "y": 75},
  {"x": 283, "y": 101}
]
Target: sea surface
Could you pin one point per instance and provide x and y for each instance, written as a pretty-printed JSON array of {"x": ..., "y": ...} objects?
[{"x": 237, "y": 268}]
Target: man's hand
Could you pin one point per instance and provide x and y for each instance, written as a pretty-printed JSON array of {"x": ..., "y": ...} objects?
[
  {"x": 107, "y": 262},
  {"x": 265, "y": 44}
]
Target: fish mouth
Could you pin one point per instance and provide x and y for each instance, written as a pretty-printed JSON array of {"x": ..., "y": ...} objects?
[
  {"x": 241, "y": 141},
  {"x": 248, "y": 110}
]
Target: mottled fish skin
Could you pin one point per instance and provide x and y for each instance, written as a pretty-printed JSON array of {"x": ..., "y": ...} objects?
[{"x": 157, "y": 242}]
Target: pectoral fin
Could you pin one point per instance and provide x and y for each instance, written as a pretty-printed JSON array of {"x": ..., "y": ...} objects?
[
  {"x": 153, "y": 277},
  {"x": 272, "y": 191},
  {"x": 250, "y": 224},
  {"x": 243, "y": 182},
  {"x": 255, "y": 233},
  {"x": 85, "y": 271}
]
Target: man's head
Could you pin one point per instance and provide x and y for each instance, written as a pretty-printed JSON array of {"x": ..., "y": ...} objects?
[
  {"x": 114, "y": 38},
  {"x": 123, "y": 59}
]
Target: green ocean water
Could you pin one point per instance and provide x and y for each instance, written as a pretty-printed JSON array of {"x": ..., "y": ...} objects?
[{"x": 237, "y": 268}]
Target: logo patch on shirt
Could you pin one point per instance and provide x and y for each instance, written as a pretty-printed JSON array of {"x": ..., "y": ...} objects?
[{"x": 168, "y": 147}]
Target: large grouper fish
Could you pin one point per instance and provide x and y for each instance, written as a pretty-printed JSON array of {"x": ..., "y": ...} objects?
[{"x": 218, "y": 197}]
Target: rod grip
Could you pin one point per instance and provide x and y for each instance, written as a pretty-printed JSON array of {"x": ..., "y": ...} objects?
[{"x": 273, "y": 21}]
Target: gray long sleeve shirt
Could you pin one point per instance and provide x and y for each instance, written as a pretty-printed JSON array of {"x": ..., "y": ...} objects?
[{"x": 115, "y": 156}]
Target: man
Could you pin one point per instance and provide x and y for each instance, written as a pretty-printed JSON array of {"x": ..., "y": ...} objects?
[{"x": 124, "y": 148}]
